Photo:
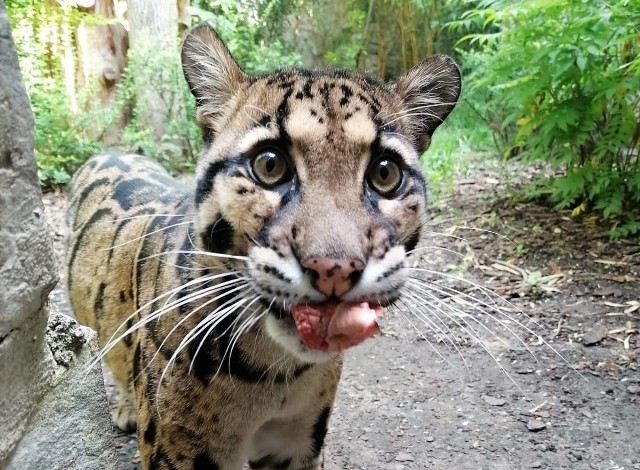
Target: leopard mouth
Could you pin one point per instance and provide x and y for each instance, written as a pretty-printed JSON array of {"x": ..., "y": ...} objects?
[{"x": 336, "y": 326}]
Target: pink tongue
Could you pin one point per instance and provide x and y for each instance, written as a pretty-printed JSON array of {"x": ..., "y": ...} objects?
[{"x": 336, "y": 327}]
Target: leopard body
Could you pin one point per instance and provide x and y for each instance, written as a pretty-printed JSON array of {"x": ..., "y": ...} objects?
[{"x": 190, "y": 285}]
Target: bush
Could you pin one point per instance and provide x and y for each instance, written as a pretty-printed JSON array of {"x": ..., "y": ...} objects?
[{"x": 564, "y": 79}]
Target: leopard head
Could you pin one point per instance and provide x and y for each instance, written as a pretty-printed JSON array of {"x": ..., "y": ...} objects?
[{"x": 315, "y": 177}]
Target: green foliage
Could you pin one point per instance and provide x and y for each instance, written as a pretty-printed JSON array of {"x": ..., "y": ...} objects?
[
  {"x": 251, "y": 29},
  {"x": 563, "y": 78},
  {"x": 63, "y": 139},
  {"x": 64, "y": 136},
  {"x": 161, "y": 72}
]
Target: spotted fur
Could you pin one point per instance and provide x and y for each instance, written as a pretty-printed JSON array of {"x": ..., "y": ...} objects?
[{"x": 189, "y": 285}]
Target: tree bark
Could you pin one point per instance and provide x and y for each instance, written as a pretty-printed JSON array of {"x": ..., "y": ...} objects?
[
  {"x": 102, "y": 47},
  {"x": 153, "y": 31}
]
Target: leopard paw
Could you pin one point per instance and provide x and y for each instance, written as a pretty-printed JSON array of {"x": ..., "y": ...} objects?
[{"x": 124, "y": 416}]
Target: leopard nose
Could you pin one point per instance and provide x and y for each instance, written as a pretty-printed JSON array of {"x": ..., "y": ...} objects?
[{"x": 333, "y": 277}]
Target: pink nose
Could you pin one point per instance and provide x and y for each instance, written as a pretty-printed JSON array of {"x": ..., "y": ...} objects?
[{"x": 335, "y": 277}]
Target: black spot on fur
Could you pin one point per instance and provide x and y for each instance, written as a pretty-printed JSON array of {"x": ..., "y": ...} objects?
[
  {"x": 89, "y": 189},
  {"x": 123, "y": 296},
  {"x": 115, "y": 160},
  {"x": 412, "y": 241},
  {"x": 150, "y": 433},
  {"x": 264, "y": 120},
  {"x": 95, "y": 217},
  {"x": 201, "y": 350},
  {"x": 347, "y": 93},
  {"x": 218, "y": 237},
  {"x": 283, "y": 111},
  {"x": 99, "y": 303},
  {"x": 283, "y": 377},
  {"x": 127, "y": 339},
  {"x": 204, "y": 462},
  {"x": 320, "y": 430},
  {"x": 270, "y": 462},
  {"x": 137, "y": 362},
  {"x": 160, "y": 460},
  {"x": 306, "y": 89},
  {"x": 125, "y": 191},
  {"x": 205, "y": 184}
]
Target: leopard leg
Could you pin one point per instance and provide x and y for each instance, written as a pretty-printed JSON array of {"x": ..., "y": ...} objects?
[{"x": 118, "y": 359}]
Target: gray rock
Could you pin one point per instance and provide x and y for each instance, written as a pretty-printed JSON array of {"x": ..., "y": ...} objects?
[
  {"x": 53, "y": 410},
  {"x": 534, "y": 425},
  {"x": 596, "y": 334},
  {"x": 71, "y": 428},
  {"x": 493, "y": 401},
  {"x": 27, "y": 266},
  {"x": 404, "y": 457}
]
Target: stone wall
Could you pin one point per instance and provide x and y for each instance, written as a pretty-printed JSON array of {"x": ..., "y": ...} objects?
[{"x": 53, "y": 410}]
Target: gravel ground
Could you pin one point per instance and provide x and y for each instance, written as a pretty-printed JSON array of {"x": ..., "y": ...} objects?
[{"x": 427, "y": 396}]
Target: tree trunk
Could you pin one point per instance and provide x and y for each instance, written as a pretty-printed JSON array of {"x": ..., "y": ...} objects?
[
  {"x": 153, "y": 32},
  {"x": 102, "y": 47}
]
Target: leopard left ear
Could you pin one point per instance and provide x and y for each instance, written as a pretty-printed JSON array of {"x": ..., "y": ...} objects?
[
  {"x": 429, "y": 91},
  {"x": 213, "y": 75}
]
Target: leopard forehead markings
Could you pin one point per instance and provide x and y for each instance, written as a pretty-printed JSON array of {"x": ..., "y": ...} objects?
[{"x": 197, "y": 284}]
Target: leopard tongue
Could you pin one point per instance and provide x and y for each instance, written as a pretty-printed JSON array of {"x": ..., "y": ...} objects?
[{"x": 335, "y": 326}]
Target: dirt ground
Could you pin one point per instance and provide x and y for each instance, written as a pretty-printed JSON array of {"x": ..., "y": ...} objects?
[{"x": 552, "y": 378}]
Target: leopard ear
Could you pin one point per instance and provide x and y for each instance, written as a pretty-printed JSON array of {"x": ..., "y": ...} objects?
[
  {"x": 429, "y": 91},
  {"x": 213, "y": 75}
]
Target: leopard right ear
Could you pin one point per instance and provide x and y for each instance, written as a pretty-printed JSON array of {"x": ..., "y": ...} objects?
[{"x": 213, "y": 75}]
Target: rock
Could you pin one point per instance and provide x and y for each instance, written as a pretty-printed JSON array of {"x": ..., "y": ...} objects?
[
  {"x": 586, "y": 413},
  {"x": 493, "y": 401},
  {"x": 53, "y": 410},
  {"x": 634, "y": 389},
  {"x": 65, "y": 338},
  {"x": 27, "y": 266},
  {"x": 71, "y": 427},
  {"x": 404, "y": 457},
  {"x": 596, "y": 334},
  {"x": 534, "y": 425}
]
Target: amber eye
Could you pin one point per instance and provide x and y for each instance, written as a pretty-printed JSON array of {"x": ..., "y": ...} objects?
[
  {"x": 385, "y": 176},
  {"x": 270, "y": 168}
]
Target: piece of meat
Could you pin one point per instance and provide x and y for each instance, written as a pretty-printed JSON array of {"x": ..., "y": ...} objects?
[{"x": 335, "y": 326}]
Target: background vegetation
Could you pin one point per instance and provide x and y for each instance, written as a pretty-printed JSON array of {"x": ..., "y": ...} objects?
[{"x": 551, "y": 83}]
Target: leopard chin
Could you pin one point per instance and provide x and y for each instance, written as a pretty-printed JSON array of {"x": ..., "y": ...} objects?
[{"x": 223, "y": 306}]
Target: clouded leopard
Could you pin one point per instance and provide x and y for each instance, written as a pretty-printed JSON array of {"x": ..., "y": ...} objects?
[{"x": 225, "y": 304}]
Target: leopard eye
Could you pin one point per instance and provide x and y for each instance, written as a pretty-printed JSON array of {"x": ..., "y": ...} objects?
[
  {"x": 270, "y": 168},
  {"x": 385, "y": 176}
]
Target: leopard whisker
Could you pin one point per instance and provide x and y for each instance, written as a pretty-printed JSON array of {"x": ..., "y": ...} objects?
[
  {"x": 189, "y": 252},
  {"x": 212, "y": 323},
  {"x": 219, "y": 314},
  {"x": 416, "y": 303},
  {"x": 450, "y": 292},
  {"x": 474, "y": 334},
  {"x": 247, "y": 324},
  {"x": 484, "y": 230},
  {"x": 113, "y": 340},
  {"x": 113, "y": 247},
  {"x": 187, "y": 316},
  {"x": 474, "y": 302},
  {"x": 430, "y": 324},
  {"x": 216, "y": 316},
  {"x": 123, "y": 219}
]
